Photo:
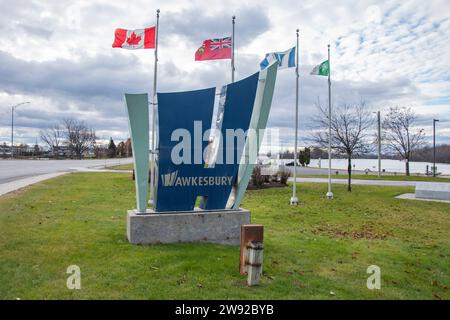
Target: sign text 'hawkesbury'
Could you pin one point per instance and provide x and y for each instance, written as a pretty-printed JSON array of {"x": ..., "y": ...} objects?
[{"x": 172, "y": 180}]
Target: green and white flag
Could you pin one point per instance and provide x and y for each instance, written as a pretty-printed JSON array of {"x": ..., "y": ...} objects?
[{"x": 322, "y": 69}]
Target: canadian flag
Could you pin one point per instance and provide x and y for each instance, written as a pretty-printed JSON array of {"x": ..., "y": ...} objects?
[{"x": 135, "y": 39}]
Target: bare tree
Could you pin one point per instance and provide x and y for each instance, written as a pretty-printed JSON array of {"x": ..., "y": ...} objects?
[
  {"x": 349, "y": 131},
  {"x": 400, "y": 135},
  {"x": 53, "y": 137},
  {"x": 80, "y": 138}
]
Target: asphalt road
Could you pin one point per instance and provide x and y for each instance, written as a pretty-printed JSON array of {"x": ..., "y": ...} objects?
[{"x": 13, "y": 170}]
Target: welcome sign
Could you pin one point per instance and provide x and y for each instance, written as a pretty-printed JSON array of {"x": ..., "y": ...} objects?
[{"x": 203, "y": 143}]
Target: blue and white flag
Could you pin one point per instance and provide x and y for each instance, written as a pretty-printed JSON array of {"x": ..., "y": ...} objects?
[{"x": 285, "y": 59}]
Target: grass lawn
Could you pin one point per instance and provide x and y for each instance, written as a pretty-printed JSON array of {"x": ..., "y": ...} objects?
[
  {"x": 310, "y": 250},
  {"x": 128, "y": 166},
  {"x": 375, "y": 177}
]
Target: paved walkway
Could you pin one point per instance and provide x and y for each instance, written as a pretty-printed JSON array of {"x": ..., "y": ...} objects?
[{"x": 360, "y": 182}]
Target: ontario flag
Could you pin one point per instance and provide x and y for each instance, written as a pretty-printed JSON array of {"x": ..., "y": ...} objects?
[
  {"x": 135, "y": 39},
  {"x": 214, "y": 49}
]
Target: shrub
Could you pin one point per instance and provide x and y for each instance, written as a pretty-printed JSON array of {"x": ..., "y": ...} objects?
[
  {"x": 257, "y": 178},
  {"x": 284, "y": 175}
]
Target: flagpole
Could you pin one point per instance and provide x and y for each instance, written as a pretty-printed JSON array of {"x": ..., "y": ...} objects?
[
  {"x": 152, "y": 175},
  {"x": 329, "y": 193},
  {"x": 233, "y": 19},
  {"x": 294, "y": 199}
]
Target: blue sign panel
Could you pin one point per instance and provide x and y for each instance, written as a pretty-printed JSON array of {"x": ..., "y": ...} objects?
[{"x": 185, "y": 119}]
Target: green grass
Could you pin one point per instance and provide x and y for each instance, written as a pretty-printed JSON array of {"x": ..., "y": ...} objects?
[
  {"x": 375, "y": 177},
  {"x": 128, "y": 166},
  {"x": 310, "y": 250}
]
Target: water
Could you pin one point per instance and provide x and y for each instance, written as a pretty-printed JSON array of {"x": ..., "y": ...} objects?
[{"x": 389, "y": 165}]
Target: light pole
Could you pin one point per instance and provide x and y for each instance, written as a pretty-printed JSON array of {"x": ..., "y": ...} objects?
[
  {"x": 13, "y": 108},
  {"x": 434, "y": 146}
]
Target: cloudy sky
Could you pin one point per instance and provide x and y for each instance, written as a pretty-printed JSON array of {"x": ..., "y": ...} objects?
[{"x": 57, "y": 55}]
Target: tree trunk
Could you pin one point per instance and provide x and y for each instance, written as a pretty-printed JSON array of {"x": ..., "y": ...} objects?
[
  {"x": 349, "y": 169},
  {"x": 407, "y": 166}
]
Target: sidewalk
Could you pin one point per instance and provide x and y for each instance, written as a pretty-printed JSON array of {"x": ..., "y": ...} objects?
[
  {"x": 17, "y": 184},
  {"x": 360, "y": 182}
]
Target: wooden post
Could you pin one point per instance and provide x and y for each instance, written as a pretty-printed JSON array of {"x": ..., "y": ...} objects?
[
  {"x": 249, "y": 233},
  {"x": 254, "y": 264}
]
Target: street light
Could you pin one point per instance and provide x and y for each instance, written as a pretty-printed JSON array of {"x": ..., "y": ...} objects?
[
  {"x": 434, "y": 146},
  {"x": 13, "y": 108}
]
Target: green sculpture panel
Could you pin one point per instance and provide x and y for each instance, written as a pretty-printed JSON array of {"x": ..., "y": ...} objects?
[{"x": 137, "y": 108}]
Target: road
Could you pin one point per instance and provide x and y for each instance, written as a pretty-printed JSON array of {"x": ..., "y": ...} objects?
[
  {"x": 12, "y": 170},
  {"x": 16, "y": 174}
]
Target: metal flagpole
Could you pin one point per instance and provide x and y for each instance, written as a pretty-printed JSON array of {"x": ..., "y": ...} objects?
[
  {"x": 294, "y": 199},
  {"x": 152, "y": 175},
  {"x": 12, "y": 132},
  {"x": 233, "y": 19},
  {"x": 379, "y": 143},
  {"x": 329, "y": 193},
  {"x": 434, "y": 146}
]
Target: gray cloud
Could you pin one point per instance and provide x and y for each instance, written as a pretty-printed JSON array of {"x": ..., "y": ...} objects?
[
  {"x": 195, "y": 24},
  {"x": 89, "y": 82}
]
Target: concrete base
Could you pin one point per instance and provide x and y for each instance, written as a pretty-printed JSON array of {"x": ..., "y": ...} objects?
[
  {"x": 221, "y": 227},
  {"x": 433, "y": 190},
  {"x": 412, "y": 196}
]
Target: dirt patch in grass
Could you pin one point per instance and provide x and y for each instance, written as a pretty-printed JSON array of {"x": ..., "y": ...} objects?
[{"x": 366, "y": 233}]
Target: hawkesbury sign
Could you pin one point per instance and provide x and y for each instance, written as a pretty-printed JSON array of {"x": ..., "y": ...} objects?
[
  {"x": 214, "y": 168},
  {"x": 172, "y": 180}
]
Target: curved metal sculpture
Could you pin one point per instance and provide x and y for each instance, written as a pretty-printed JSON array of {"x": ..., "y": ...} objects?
[{"x": 198, "y": 157}]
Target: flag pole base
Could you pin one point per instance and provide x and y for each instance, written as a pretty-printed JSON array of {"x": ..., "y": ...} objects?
[
  {"x": 294, "y": 201},
  {"x": 330, "y": 195}
]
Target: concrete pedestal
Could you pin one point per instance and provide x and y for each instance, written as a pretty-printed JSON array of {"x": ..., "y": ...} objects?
[
  {"x": 433, "y": 190},
  {"x": 221, "y": 227}
]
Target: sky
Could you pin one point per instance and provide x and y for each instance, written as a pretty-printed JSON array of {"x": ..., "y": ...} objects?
[{"x": 57, "y": 55}]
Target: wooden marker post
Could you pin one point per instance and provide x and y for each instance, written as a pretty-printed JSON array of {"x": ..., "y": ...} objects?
[
  {"x": 251, "y": 251},
  {"x": 254, "y": 263}
]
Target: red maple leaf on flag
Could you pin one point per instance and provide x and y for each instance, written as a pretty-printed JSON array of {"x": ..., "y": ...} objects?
[{"x": 133, "y": 40}]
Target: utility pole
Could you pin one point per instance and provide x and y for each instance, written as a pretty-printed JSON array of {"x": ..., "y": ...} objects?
[{"x": 434, "y": 146}]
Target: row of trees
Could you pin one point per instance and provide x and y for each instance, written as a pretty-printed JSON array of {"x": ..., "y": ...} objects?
[
  {"x": 350, "y": 132},
  {"x": 75, "y": 134},
  {"x": 80, "y": 139},
  {"x": 123, "y": 149},
  {"x": 426, "y": 154}
]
